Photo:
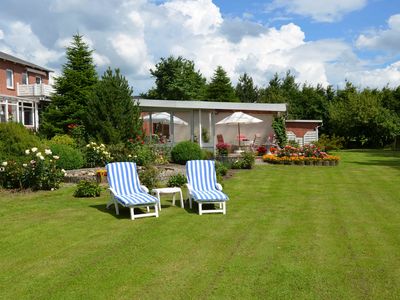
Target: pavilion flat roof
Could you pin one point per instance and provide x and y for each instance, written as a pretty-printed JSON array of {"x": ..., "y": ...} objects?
[
  {"x": 161, "y": 105},
  {"x": 304, "y": 121}
]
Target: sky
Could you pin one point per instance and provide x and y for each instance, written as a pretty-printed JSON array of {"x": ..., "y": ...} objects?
[{"x": 320, "y": 42}]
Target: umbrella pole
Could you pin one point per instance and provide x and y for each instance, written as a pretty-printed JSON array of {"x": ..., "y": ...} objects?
[{"x": 239, "y": 134}]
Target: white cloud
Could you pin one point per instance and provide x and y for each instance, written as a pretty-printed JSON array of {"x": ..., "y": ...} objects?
[
  {"x": 133, "y": 50},
  {"x": 321, "y": 11},
  {"x": 25, "y": 44},
  {"x": 100, "y": 60},
  {"x": 199, "y": 16},
  {"x": 377, "y": 78},
  {"x": 134, "y": 34},
  {"x": 1, "y": 34},
  {"x": 383, "y": 39}
]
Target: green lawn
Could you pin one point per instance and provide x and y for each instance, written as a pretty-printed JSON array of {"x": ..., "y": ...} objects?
[{"x": 290, "y": 232}]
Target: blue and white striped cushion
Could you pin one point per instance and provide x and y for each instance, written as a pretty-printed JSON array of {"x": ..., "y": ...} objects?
[
  {"x": 124, "y": 179},
  {"x": 201, "y": 176}
]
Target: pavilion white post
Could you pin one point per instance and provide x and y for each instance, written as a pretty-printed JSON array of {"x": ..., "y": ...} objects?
[
  {"x": 212, "y": 126},
  {"x": 151, "y": 127},
  {"x": 36, "y": 116},
  {"x": 192, "y": 127},
  {"x": 200, "y": 135},
  {"x": 239, "y": 134},
  {"x": 22, "y": 113},
  {"x": 17, "y": 111},
  {"x": 171, "y": 128}
]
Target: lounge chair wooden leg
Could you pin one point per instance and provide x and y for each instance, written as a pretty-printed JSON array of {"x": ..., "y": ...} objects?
[
  {"x": 132, "y": 213},
  {"x": 200, "y": 209},
  {"x": 173, "y": 200},
  {"x": 156, "y": 209},
  {"x": 148, "y": 209},
  {"x": 111, "y": 202},
  {"x": 182, "y": 204},
  {"x": 220, "y": 205},
  {"x": 224, "y": 208},
  {"x": 116, "y": 207}
]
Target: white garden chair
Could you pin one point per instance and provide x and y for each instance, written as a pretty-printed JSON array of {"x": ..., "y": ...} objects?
[
  {"x": 203, "y": 187},
  {"x": 126, "y": 190}
]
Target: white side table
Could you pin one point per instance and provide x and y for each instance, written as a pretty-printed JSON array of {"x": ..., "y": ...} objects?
[{"x": 171, "y": 190}]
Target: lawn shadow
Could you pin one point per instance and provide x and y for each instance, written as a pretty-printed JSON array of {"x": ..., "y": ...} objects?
[
  {"x": 384, "y": 158},
  {"x": 195, "y": 209},
  {"x": 124, "y": 212}
]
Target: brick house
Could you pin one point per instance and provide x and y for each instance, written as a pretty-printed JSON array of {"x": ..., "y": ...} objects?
[
  {"x": 24, "y": 89},
  {"x": 304, "y": 132}
]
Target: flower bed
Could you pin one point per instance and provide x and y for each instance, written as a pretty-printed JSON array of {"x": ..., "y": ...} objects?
[
  {"x": 307, "y": 155},
  {"x": 37, "y": 171}
]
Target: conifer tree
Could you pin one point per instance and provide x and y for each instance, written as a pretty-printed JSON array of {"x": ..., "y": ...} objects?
[
  {"x": 72, "y": 90},
  {"x": 220, "y": 88},
  {"x": 113, "y": 116},
  {"x": 245, "y": 89}
]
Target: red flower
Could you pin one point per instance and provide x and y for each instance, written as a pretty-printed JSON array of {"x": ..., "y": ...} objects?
[{"x": 72, "y": 126}]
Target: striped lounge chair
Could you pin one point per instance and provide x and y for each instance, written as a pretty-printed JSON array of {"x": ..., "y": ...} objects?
[
  {"x": 126, "y": 190},
  {"x": 203, "y": 187}
]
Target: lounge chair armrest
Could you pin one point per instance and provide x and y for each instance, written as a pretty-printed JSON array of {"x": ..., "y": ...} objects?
[
  {"x": 112, "y": 191},
  {"x": 189, "y": 187},
  {"x": 219, "y": 187},
  {"x": 144, "y": 189}
]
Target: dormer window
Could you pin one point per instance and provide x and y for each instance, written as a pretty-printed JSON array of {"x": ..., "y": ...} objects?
[
  {"x": 10, "y": 78},
  {"x": 25, "y": 78}
]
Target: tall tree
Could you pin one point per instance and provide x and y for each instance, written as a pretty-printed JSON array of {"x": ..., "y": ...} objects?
[
  {"x": 245, "y": 89},
  {"x": 220, "y": 88},
  {"x": 113, "y": 116},
  {"x": 274, "y": 92},
  {"x": 176, "y": 79},
  {"x": 72, "y": 89},
  {"x": 361, "y": 117}
]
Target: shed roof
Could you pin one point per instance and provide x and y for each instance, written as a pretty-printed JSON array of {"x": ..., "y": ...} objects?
[
  {"x": 157, "y": 105},
  {"x": 17, "y": 60}
]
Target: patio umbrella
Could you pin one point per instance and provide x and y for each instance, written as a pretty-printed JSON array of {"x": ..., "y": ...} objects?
[
  {"x": 239, "y": 118},
  {"x": 164, "y": 118}
]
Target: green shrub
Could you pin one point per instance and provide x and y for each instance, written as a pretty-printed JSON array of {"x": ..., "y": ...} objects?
[
  {"x": 293, "y": 143},
  {"x": 63, "y": 139},
  {"x": 279, "y": 126},
  {"x": 15, "y": 139},
  {"x": 87, "y": 189},
  {"x": 149, "y": 176},
  {"x": 246, "y": 161},
  {"x": 97, "y": 155},
  {"x": 206, "y": 154},
  {"x": 69, "y": 158},
  {"x": 185, "y": 151},
  {"x": 327, "y": 143},
  {"x": 177, "y": 180},
  {"x": 120, "y": 152},
  {"x": 143, "y": 155},
  {"x": 221, "y": 169}
]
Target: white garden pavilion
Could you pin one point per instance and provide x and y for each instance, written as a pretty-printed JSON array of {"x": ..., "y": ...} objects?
[{"x": 201, "y": 117}]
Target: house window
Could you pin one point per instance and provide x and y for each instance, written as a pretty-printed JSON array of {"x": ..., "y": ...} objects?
[
  {"x": 25, "y": 78},
  {"x": 10, "y": 79},
  {"x": 38, "y": 80}
]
